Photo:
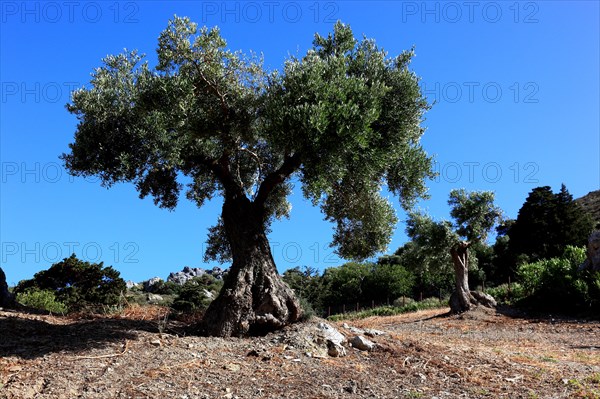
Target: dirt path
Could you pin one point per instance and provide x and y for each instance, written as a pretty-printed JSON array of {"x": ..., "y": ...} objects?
[{"x": 422, "y": 355}]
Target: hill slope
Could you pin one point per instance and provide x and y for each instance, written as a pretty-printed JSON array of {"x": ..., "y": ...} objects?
[{"x": 591, "y": 203}]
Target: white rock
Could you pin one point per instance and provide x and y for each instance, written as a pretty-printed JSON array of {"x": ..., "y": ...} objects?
[
  {"x": 331, "y": 334},
  {"x": 361, "y": 343}
]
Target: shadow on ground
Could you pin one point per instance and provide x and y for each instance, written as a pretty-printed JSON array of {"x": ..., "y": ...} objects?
[{"x": 30, "y": 338}]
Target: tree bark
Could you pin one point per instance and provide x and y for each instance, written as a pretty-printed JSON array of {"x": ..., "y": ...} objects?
[
  {"x": 463, "y": 299},
  {"x": 460, "y": 301},
  {"x": 6, "y": 298},
  {"x": 254, "y": 299}
]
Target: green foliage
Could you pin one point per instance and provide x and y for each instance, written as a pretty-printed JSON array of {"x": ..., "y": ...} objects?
[
  {"x": 388, "y": 280},
  {"x": 558, "y": 284},
  {"x": 432, "y": 269},
  {"x": 546, "y": 224},
  {"x": 309, "y": 286},
  {"x": 344, "y": 120},
  {"x": 346, "y": 283},
  {"x": 166, "y": 288},
  {"x": 78, "y": 284},
  {"x": 192, "y": 295},
  {"x": 41, "y": 300},
  {"x": 507, "y": 294},
  {"x": 428, "y": 255},
  {"x": 474, "y": 214},
  {"x": 427, "y": 303}
]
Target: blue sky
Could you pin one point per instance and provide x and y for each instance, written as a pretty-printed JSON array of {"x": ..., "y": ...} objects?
[{"x": 516, "y": 86}]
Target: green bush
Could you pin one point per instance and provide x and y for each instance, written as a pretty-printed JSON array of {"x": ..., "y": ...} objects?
[
  {"x": 192, "y": 295},
  {"x": 506, "y": 294},
  {"x": 427, "y": 303},
  {"x": 403, "y": 301},
  {"x": 166, "y": 288},
  {"x": 77, "y": 284},
  {"x": 41, "y": 300},
  {"x": 558, "y": 284}
]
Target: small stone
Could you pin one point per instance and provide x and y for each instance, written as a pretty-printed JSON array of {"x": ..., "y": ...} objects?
[
  {"x": 232, "y": 367},
  {"x": 361, "y": 343},
  {"x": 155, "y": 342},
  {"x": 335, "y": 349},
  {"x": 15, "y": 369},
  {"x": 373, "y": 333}
]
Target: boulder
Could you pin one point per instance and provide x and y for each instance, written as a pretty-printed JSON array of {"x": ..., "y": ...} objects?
[
  {"x": 361, "y": 343},
  {"x": 217, "y": 272},
  {"x": 149, "y": 284},
  {"x": 593, "y": 252},
  {"x": 331, "y": 334},
  {"x": 185, "y": 275},
  {"x": 131, "y": 284},
  {"x": 484, "y": 299},
  {"x": 154, "y": 298},
  {"x": 335, "y": 350}
]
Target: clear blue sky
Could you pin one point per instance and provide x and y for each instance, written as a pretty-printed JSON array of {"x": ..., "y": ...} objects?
[{"x": 516, "y": 86}]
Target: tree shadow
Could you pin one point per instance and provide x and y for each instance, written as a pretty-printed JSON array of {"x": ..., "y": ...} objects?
[{"x": 30, "y": 338}]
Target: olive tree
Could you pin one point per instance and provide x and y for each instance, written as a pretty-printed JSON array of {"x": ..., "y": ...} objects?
[
  {"x": 474, "y": 217},
  {"x": 342, "y": 121}
]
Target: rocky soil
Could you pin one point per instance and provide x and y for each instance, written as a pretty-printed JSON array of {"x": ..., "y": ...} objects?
[{"x": 427, "y": 354}]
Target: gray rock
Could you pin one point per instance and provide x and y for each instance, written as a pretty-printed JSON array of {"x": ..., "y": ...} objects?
[
  {"x": 131, "y": 284},
  {"x": 208, "y": 294},
  {"x": 593, "y": 253},
  {"x": 217, "y": 272},
  {"x": 484, "y": 299},
  {"x": 149, "y": 284},
  {"x": 371, "y": 332},
  {"x": 185, "y": 275},
  {"x": 361, "y": 343},
  {"x": 335, "y": 350},
  {"x": 154, "y": 298},
  {"x": 331, "y": 334}
]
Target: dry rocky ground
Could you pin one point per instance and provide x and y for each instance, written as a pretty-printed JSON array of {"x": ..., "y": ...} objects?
[{"x": 427, "y": 354}]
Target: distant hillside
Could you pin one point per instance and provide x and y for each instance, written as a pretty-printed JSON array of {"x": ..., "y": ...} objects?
[{"x": 591, "y": 203}]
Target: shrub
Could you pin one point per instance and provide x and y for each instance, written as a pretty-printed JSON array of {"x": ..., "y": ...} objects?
[
  {"x": 192, "y": 295},
  {"x": 77, "y": 284},
  {"x": 41, "y": 300},
  {"x": 427, "y": 303},
  {"x": 403, "y": 301},
  {"x": 558, "y": 284},
  {"x": 507, "y": 294}
]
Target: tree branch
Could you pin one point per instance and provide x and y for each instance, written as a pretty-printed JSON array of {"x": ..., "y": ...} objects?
[{"x": 289, "y": 166}]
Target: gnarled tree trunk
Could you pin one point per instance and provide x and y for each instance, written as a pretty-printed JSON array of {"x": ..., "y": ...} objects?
[
  {"x": 254, "y": 299},
  {"x": 463, "y": 299},
  {"x": 6, "y": 298}
]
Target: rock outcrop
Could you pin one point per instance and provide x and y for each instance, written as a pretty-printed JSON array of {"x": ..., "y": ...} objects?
[
  {"x": 189, "y": 273},
  {"x": 593, "y": 252}
]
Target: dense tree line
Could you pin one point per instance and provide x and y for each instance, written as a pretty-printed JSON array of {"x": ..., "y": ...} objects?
[{"x": 539, "y": 252}]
